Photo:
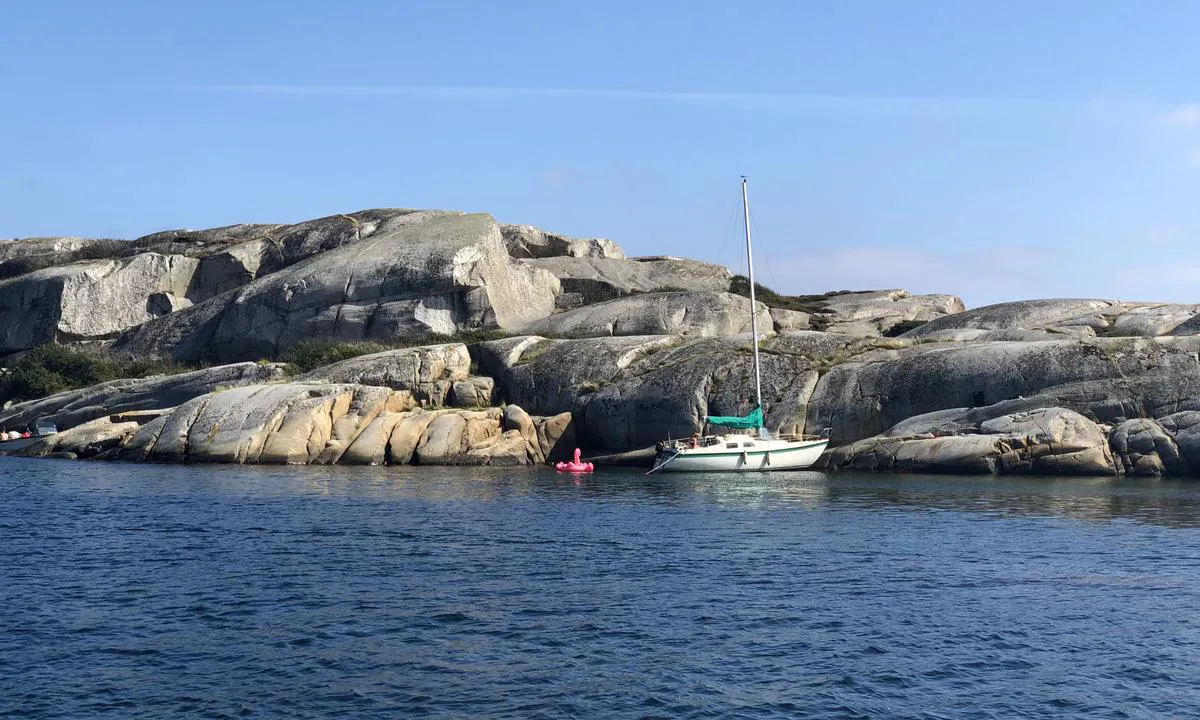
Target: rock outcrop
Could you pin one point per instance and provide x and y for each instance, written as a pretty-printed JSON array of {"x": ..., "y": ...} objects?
[
  {"x": 1077, "y": 317},
  {"x": 1047, "y": 441},
  {"x": 1108, "y": 379},
  {"x": 102, "y": 436},
  {"x": 428, "y": 372},
  {"x": 527, "y": 241},
  {"x": 693, "y": 314},
  {"x": 872, "y": 314},
  {"x": 304, "y": 423},
  {"x": 629, "y": 392},
  {"x": 615, "y": 354},
  {"x": 589, "y": 280},
  {"x": 1191, "y": 326},
  {"x": 41, "y": 246},
  {"x": 438, "y": 276},
  {"x": 60, "y": 304},
  {"x": 74, "y": 407}
]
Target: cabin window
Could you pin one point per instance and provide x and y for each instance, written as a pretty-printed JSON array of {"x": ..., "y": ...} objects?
[
  {"x": 747, "y": 444},
  {"x": 730, "y": 445}
]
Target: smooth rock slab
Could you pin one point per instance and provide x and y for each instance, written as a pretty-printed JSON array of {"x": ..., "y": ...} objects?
[
  {"x": 595, "y": 279},
  {"x": 438, "y": 276},
  {"x": 73, "y": 407},
  {"x": 428, "y": 372},
  {"x": 527, "y": 241},
  {"x": 1047, "y": 441},
  {"x": 91, "y": 300},
  {"x": 699, "y": 314},
  {"x": 1102, "y": 378},
  {"x": 871, "y": 314}
]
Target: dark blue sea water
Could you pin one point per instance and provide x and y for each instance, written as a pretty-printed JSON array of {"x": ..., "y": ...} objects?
[{"x": 139, "y": 591}]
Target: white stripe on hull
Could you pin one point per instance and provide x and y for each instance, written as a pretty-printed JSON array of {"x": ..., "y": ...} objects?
[{"x": 720, "y": 459}]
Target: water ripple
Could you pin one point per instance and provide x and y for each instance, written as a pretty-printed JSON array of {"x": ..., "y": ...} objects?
[{"x": 160, "y": 591}]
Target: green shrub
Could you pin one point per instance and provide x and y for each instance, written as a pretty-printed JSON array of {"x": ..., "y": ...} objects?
[
  {"x": 311, "y": 354},
  {"x": 902, "y": 327},
  {"x": 811, "y": 304},
  {"x": 49, "y": 369}
]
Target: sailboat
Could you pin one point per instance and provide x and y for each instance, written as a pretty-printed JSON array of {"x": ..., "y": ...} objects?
[{"x": 734, "y": 451}]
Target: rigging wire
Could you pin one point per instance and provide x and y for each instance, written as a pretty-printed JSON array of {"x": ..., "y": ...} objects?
[
  {"x": 729, "y": 227},
  {"x": 761, "y": 247}
]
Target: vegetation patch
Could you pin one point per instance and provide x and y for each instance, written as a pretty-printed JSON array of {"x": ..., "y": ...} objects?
[
  {"x": 50, "y": 369},
  {"x": 814, "y": 305},
  {"x": 535, "y": 351},
  {"x": 311, "y": 354},
  {"x": 902, "y": 327},
  {"x": 588, "y": 386},
  {"x": 824, "y": 364}
]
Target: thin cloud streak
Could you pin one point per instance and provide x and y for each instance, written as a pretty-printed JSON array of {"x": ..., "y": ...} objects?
[
  {"x": 1186, "y": 115},
  {"x": 816, "y": 101}
]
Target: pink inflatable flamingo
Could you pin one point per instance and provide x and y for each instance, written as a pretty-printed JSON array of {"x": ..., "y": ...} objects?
[{"x": 576, "y": 466}]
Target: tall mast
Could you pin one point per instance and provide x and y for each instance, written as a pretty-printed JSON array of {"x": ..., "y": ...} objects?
[{"x": 753, "y": 301}]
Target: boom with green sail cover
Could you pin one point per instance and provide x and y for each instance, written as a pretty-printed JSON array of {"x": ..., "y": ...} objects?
[{"x": 753, "y": 420}]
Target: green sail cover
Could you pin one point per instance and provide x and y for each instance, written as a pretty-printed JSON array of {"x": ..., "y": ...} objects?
[{"x": 753, "y": 420}]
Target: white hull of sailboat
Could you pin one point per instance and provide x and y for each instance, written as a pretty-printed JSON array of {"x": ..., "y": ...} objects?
[{"x": 763, "y": 455}]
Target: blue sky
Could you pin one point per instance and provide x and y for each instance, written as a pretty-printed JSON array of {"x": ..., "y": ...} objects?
[{"x": 994, "y": 150}]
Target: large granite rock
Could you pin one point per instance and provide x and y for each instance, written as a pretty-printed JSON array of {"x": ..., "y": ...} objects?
[
  {"x": 1169, "y": 445},
  {"x": 1143, "y": 319},
  {"x": 875, "y": 313},
  {"x": 527, "y": 241},
  {"x": 202, "y": 243},
  {"x": 1046, "y": 441},
  {"x": 305, "y": 423},
  {"x": 790, "y": 320},
  {"x": 1006, "y": 335},
  {"x": 1191, "y": 326},
  {"x": 1022, "y": 315},
  {"x": 436, "y": 276},
  {"x": 1107, "y": 379},
  {"x": 74, "y": 407},
  {"x": 232, "y": 268},
  {"x": 595, "y": 279},
  {"x": 629, "y": 392},
  {"x": 40, "y": 246},
  {"x": 548, "y": 376},
  {"x": 90, "y": 300},
  {"x": 701, "y": 314},
  {"x": 1144, "y": 447},
  {"x": 1060, "y": 316},
  {"x": 428, "y": 372}
]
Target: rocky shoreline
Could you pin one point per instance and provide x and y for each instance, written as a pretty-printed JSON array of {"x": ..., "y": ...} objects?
[{"x": 587, "y": 348}]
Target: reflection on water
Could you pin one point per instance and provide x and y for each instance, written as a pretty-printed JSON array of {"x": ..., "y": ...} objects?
[
  {"x": 1171, "y": 503},
  {"x": 150, "y": 591}
]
